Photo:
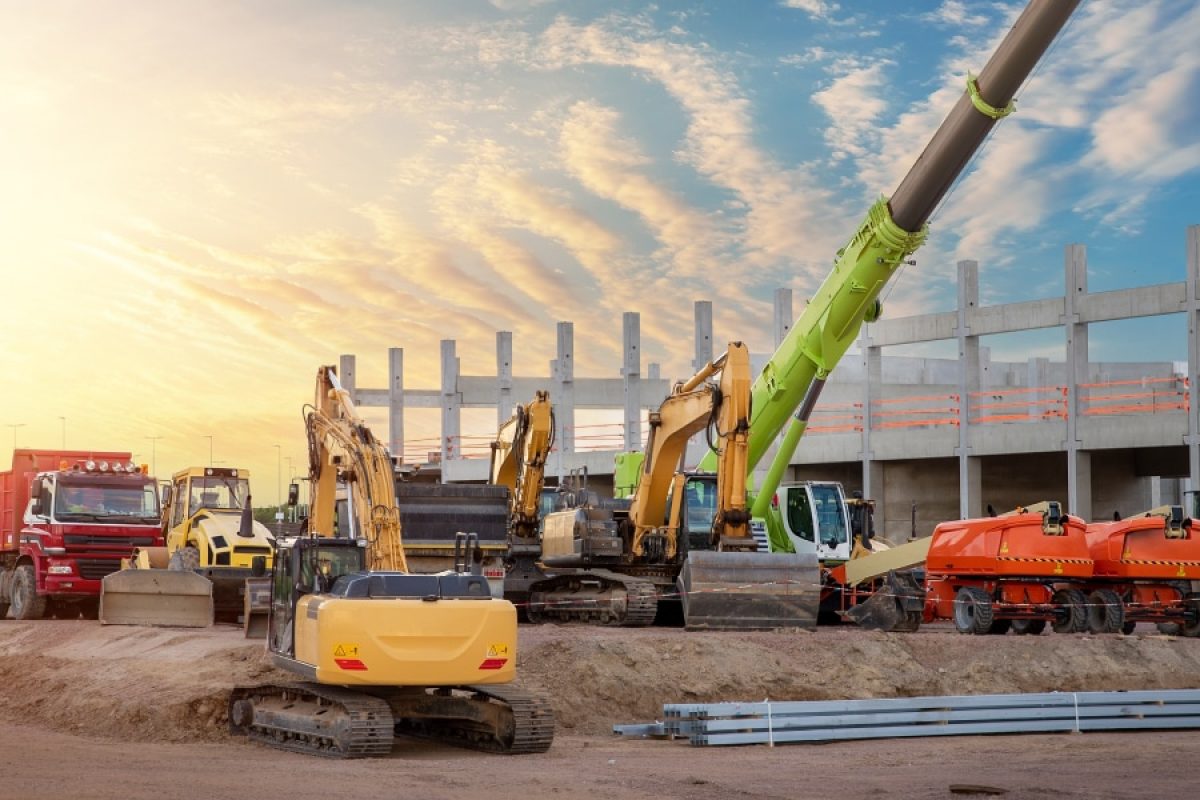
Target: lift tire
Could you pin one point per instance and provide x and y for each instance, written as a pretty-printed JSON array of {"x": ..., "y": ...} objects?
[
  {"x": 185, "y": 558},
  {"x": 26, "y": 602},
  {"x": 1071, "y": 611},
  {"x": 1190, "y": 626},
  {"x": 1028, "y": 627},
  {"x": 972, "y": 611},
  {"x": 1000, "y": 627},
  {"x": 1106, "y": 612}
]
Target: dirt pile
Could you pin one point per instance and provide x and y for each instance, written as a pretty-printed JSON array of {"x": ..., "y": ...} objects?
[{"x": 148, "y": 684}]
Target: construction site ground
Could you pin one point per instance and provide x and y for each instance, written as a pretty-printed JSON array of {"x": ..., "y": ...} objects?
[{"x": 124, "y": 713}]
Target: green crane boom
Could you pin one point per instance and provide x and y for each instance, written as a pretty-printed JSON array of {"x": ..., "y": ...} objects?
[{"x": 790, "y": 383}]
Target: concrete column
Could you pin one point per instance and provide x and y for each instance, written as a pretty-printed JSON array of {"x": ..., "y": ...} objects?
[
  {"x": 451, "y": 404},
  {"x": 564, "y": 396},
  {"x": 1079, "y": 465},
  {"x": 704, "y": 334},
  {"x": 970, "y": 471},
  {"x": 783, "y": 314},
  {"x": 1193, "y": 315},
  {"x": 631, "y": 371},
  {"x": 346, "y": 374},
  {"x": 872, "y": 362},
  {"x": 396, "y": 402},
  {"x": 504, "y": 377},
  {"x": 1038, "y": 375},
  {"x": 653, "y": 370}
]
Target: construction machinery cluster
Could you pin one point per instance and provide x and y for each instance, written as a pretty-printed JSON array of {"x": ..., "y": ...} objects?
[{"x": 417, "y": 633}]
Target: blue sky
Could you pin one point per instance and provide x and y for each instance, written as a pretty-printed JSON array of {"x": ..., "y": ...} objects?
[{"x": 221, "y": 196}]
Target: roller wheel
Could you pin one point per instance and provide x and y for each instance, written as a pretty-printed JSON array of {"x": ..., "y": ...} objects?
[
  {"x": 1000, "y": 627},
  {"x": 1106, "y": 612},
  {"x": 185, "y": 558},
  {"x": 1191, "y": 621},
  {"x": 1028, "y": 627},
  {"x": 1070, "y": 611},
  {"x": 972, "y": 611},
  {"x": 26, "y": 602}
]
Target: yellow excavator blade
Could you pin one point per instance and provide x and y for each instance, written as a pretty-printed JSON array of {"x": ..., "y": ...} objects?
[
  {"x": 158, "y": 597},
  {"x": 750, "y": 591}
]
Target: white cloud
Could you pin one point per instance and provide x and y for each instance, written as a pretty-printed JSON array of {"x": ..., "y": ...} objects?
[
  {"x": 819, "y": 9},
  {"x": 954, "y": 12}
]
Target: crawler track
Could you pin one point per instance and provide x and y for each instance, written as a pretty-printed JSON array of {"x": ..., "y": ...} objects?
[
  {"x": 598, "y": 597},
  {"x": 336, "y": 722},
  {"x": 326, "y": 721}
]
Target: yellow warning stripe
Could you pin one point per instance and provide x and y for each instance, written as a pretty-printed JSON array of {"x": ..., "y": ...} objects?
[
  {"x": 1161, "y": 563},
  {"x": 1039, "y": 560}
]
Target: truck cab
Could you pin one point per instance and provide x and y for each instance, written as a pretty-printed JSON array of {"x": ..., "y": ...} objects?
[{"x": 67, "y": 520}]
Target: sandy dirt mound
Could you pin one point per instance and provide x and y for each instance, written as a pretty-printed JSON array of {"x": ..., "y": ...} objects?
[{"x": 152, "y": 684}]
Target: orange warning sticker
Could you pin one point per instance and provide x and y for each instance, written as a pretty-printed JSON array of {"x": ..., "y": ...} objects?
[
  {"x": 497, "y": 650},
  {"x": 345, "y": 651}
]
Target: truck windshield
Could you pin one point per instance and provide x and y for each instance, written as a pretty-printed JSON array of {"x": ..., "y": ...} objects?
[
  {"x": 88, "y": 500},
  {"x": 218, "y": 493}
]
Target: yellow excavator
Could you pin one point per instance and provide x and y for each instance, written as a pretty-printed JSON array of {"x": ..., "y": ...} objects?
[
  {"x": 683, "y": 534},
  {"x": 380, "y": 651},
  {"x": 519, "y": 453}
]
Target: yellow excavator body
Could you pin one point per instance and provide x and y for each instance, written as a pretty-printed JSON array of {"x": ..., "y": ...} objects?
[{"x": 406, "y": 641}]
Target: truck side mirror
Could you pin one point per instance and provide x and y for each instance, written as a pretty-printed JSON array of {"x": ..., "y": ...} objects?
[
  {"x": 166, "y": 495},
  {"x": 39, "y": 494},
  {"x": 293, "y": 494}
]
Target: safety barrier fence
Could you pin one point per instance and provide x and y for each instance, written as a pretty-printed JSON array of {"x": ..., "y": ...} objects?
[
  {"x": 772, "y": 723},
  {"x": 1000, "y": 405}
]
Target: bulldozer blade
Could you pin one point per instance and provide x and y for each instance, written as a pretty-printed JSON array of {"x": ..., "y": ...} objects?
[
  {"x": 157, "y": 597},
  {"x": 896, "y": 605},
  {"x": 257, "y": 608},
  {"x": 749, "y": 591}
]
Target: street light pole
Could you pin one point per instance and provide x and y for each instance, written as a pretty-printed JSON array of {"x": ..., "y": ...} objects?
[
  {"x": 14, "y": 426},
  {"x": 279, "y": 483},
  {"x": 64, "y": 432},
  {"x": 210, "y": 442},
  {"x": 153, "y": 460}
]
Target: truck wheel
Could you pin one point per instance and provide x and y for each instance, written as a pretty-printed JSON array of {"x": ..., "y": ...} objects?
[
  {"x": 972, "y": 611},
  {"x": 1191, "y": 621},
  {"x": 26, "y": 602},
  {"x": 1000, "y": 627},
  {"x": 1106, "y": 612},
  {"x": 185, "y": 558},
  {"x": 1070, "y": 613},
  {"x": 1028, "y": 627}
]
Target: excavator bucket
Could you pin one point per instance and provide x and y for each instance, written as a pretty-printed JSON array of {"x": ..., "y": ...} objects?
[
  {"x": 896, "y": 604},
  {"x": 750, "y": 591},
  {"x": 159, "y": 597},
  {"x": 257, "y": 607}
]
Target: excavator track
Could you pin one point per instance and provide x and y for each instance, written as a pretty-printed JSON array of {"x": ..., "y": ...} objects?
[
  {"x": 327, "y": 721},
  {"x": 493, "y": 719},
  {"x": 594, "y": 596}
]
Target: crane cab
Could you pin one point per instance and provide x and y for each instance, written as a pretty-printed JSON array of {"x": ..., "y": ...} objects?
[{"x": 816, "y": 519}]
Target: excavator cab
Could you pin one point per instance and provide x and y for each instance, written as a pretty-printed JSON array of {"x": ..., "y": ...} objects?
[{"x": 306, "y": 565}]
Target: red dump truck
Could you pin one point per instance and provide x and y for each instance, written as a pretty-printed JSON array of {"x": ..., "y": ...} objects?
[{"x": 67, "y": 518}]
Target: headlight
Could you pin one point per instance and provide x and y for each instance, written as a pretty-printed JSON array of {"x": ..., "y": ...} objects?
[
  {"x": 131, "y": 467},
  {"x": 116, "y": 467},
  {"x": 60, "y": 569},
  {"x": 104, "y": 466},
  {"x": 90, "y": 465}
]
